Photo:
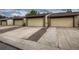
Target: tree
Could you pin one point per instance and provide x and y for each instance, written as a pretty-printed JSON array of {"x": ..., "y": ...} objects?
[
  {"x": 2, "y": 16},
  {"x": 33, "y": 12},
  {"x": 68, "y": 10}
]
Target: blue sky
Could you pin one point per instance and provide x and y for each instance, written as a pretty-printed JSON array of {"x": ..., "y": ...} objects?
[{"x": 22, "y": 12}]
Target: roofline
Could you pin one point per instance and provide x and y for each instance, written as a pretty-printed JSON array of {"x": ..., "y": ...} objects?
[
  {"x": 36, "y": 16},
  {"x": 55, "y": 15},
  {"x": 52, "y": 15},
  {"x": 4, "y": 19}
]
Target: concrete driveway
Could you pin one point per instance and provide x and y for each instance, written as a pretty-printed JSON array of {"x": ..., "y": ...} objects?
[
  {"x": 52, "y": 39},
  {"x": 4, "y": 29},
  {"x": 62, "y": 38}
]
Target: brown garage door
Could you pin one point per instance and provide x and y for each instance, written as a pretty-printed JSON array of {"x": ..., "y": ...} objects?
[
  {"x": 62, "y": 22},
  {"x": 35, "y": 22}
]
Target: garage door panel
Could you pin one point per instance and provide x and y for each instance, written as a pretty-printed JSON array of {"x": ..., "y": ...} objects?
[
  {"x": 19, "y": 22},
  {"x": 62, "y": 22},
  {"x": 35, "y": 22},
  {"x": 4, "y": 23},
  {"x": 10, "y": 22}
]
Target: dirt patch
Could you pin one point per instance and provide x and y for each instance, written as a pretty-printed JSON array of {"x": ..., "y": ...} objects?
[{"x": 36, "y": 36}]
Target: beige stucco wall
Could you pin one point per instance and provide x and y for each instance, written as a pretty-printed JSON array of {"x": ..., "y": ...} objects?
[
  {"x": 35, "y": 22},
  {"x": 0, "y": 22},
  {"x": 62, "y": 22},
  {"x": 76, "y": 21},
  {"x": 24, "y": 20},
  {"x": 18, "y": 22}
]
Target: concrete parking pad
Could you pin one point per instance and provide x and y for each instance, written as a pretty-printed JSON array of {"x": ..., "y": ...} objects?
[
  {"x": 7, "y": 28},
  {"x": 5, "y": 46},
  {"x": 68, "y": 38},
  {"x": 49, "y": 38},
  {"x": 25, "y": 44},
  {"x": 16, "y": 38},
  {"x": 22, "y": 33},
  {"x": 53, "y": 39},
  {"x": 62, "y": 38}
]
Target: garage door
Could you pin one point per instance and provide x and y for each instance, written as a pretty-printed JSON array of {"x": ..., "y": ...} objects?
[
  {"x": 62, "y": 22},
  {"x": 18, "y": 22},
  {"x": 10, "y": 22},
  {"x": 35, "y": 22},
  {"x": 4, "y": 23}
]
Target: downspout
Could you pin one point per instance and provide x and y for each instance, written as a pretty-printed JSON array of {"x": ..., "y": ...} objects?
[
  {"x": 46, "y": 19},
  {"x": 78, "y": 23},
  {"x": 73, "y": 21}
]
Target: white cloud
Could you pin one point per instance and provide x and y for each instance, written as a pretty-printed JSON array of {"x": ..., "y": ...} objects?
[
  {"x": 7, "y": 10},
  {"x": 75, "y": 10},
  {"x": 15, "y": 14},
  {"x": 22, "y": 13}
]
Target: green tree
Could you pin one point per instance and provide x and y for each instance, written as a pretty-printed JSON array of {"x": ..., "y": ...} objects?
[
  {"x": 33, "y": 12},
  {"x": 2, "y": 16},
  {"x": 68, "y": 10}
]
